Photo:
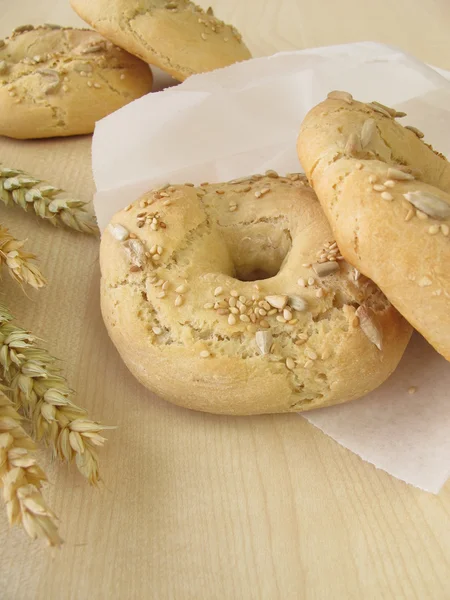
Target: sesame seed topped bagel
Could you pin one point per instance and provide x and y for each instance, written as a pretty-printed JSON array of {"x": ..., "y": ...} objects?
[
  {"x": 58, "y": 81},
  {"x": 234, "y": 298},
  {"x": 386, "y": 194},
  {"x": 176, "y": 35}
]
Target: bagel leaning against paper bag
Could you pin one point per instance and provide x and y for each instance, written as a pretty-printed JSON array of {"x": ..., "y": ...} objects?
[
  {"x": 386, "y": 194},
  {"x": 233, "y": 298}
]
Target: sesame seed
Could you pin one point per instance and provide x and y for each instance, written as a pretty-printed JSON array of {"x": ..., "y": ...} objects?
[
  {"x": 204, "y": 36},
  {"x": 156, "y": 257},
  {"x": 301, "y": 282},
  {"x": 222, "y": 311},
  {"x": 97, "y": 85},
  {"x": 208, "y": 305},
  {"x": 231, "y": 319},
  {"x": 272, "y": 311},
  {"x": 220, "y": 192},
  {"x": 287, "y": 314},
  {"x": 232, "y": 208},
  {"x": 245, "y": 318},
  {"x": 445, "y": 229},
  {"x": 257, "y": 194},
  {"x": 372, "y": 179},
  {"x": 161, "y": 295},
  {"x": 167, "y": 202},
  {"x": 308, "y": 364},
  {"x": 272, "y": 174},
  {"x": 387, "y": 196},
  {"x": 264, "y": 324},
  {"x": 410, "y": 214},
  {"x": 378, "y": 187},
  {"x": 122, "y": 76},
  {"x": 320, "y": 293},
  {"x": 234, "y": 293},
  {"x": 165, "y": 285},
  {"x": 359, "y": 166},
  {"x": 234, "y": 310},
  {"x": 232, "y": 301},
  {"x": 157, "y": 330},
  {"x": 310, "y": 354},
  {"x": 290, "y": 363},
  {"x": 218, "y": 291},
  {"x": 311, "y": 281},
  {"x": 421, "y": 215},
  {"x": 306, "y": 265},
  {"x": 281, "y": 319},
  {"x": 65, "y": 88},
  {"x": 181, "y": 289},
  {"x": 179, "y": 300},
  {"x": 433, "y": 230},
  {"x": 265, "y": 190},
  {"x": 242, "y": 299},
  {"x": 412, "y": 390},
  {"x": 390, "y": 183},
  {"x": 204, "y": 354}
]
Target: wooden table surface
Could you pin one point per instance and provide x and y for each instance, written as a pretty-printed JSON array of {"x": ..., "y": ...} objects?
[{"x": 197, "y": 506}]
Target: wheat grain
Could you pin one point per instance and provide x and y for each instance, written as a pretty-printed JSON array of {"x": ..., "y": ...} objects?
[
  {"x": 47, "y": 201},
  {"x": 21, "y": 478},
  {"x": 45, "y": 397},
  {"x": 19, "y": 262}
]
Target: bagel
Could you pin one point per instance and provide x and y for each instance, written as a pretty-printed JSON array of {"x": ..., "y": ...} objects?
[
  {"x": 57, "y": 81},
  {"x": 386, "y": 194},
  {"x": 177, "y": 36},
  {"x": 233, "y": 298}
]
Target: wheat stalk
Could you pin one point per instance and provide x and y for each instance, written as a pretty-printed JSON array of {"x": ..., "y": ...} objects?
[
  {"x": 45, "y": 397},
  {"x": 21, "y": 478},
  {"x": 19, "y": 262},
  {"x": 47, "y": 201}
]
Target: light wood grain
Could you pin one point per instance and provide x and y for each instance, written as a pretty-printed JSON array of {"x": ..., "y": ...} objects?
[{"x": 197, "y": 506}]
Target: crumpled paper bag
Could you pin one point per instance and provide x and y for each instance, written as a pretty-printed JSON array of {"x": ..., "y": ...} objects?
[{"x": 245, "y": 119}]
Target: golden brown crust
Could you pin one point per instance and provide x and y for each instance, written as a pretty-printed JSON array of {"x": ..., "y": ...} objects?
[
  {"x": 59, "y": 81},
  {"x": 179, "y": 36},
  {"x": 224, "y": 345},
  {"x": 349, "y": 151}
]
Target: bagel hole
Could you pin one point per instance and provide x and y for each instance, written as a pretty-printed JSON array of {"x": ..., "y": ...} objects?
[{"x": 258, "y": 253}]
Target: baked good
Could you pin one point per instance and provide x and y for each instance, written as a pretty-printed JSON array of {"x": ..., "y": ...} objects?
[
  {"x": 178, "y": 36},
  {"x": 386, "y": 194},
  {"x": 58, "y": 81},
  {"x": 233, "y": 298}
]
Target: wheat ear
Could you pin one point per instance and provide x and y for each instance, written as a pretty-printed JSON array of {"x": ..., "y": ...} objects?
[
  {"x": 18, "y": 262},
  {"x": 45, "y": 397},
  {"x": 21, "y": 478},
  {"x": 47, "y": 201}
]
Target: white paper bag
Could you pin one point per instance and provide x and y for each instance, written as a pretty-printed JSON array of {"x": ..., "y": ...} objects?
[{"x": 244, "y": 119}]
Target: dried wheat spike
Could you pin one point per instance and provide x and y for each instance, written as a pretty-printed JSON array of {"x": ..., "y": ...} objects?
[
  {"x": 43, "y": 394},
  {"x": 21, "y": 478},
  {"x": 19, "y": 262},
  {"x": 47, "y": 201}
]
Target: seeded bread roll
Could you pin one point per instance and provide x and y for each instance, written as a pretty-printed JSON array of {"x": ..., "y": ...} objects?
[
  {"x": 387, "y": 196},
  {"x": 59, "y": 81},
  {"x": 233, "y": 298},
  {"x": 179, "y": 36}
]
